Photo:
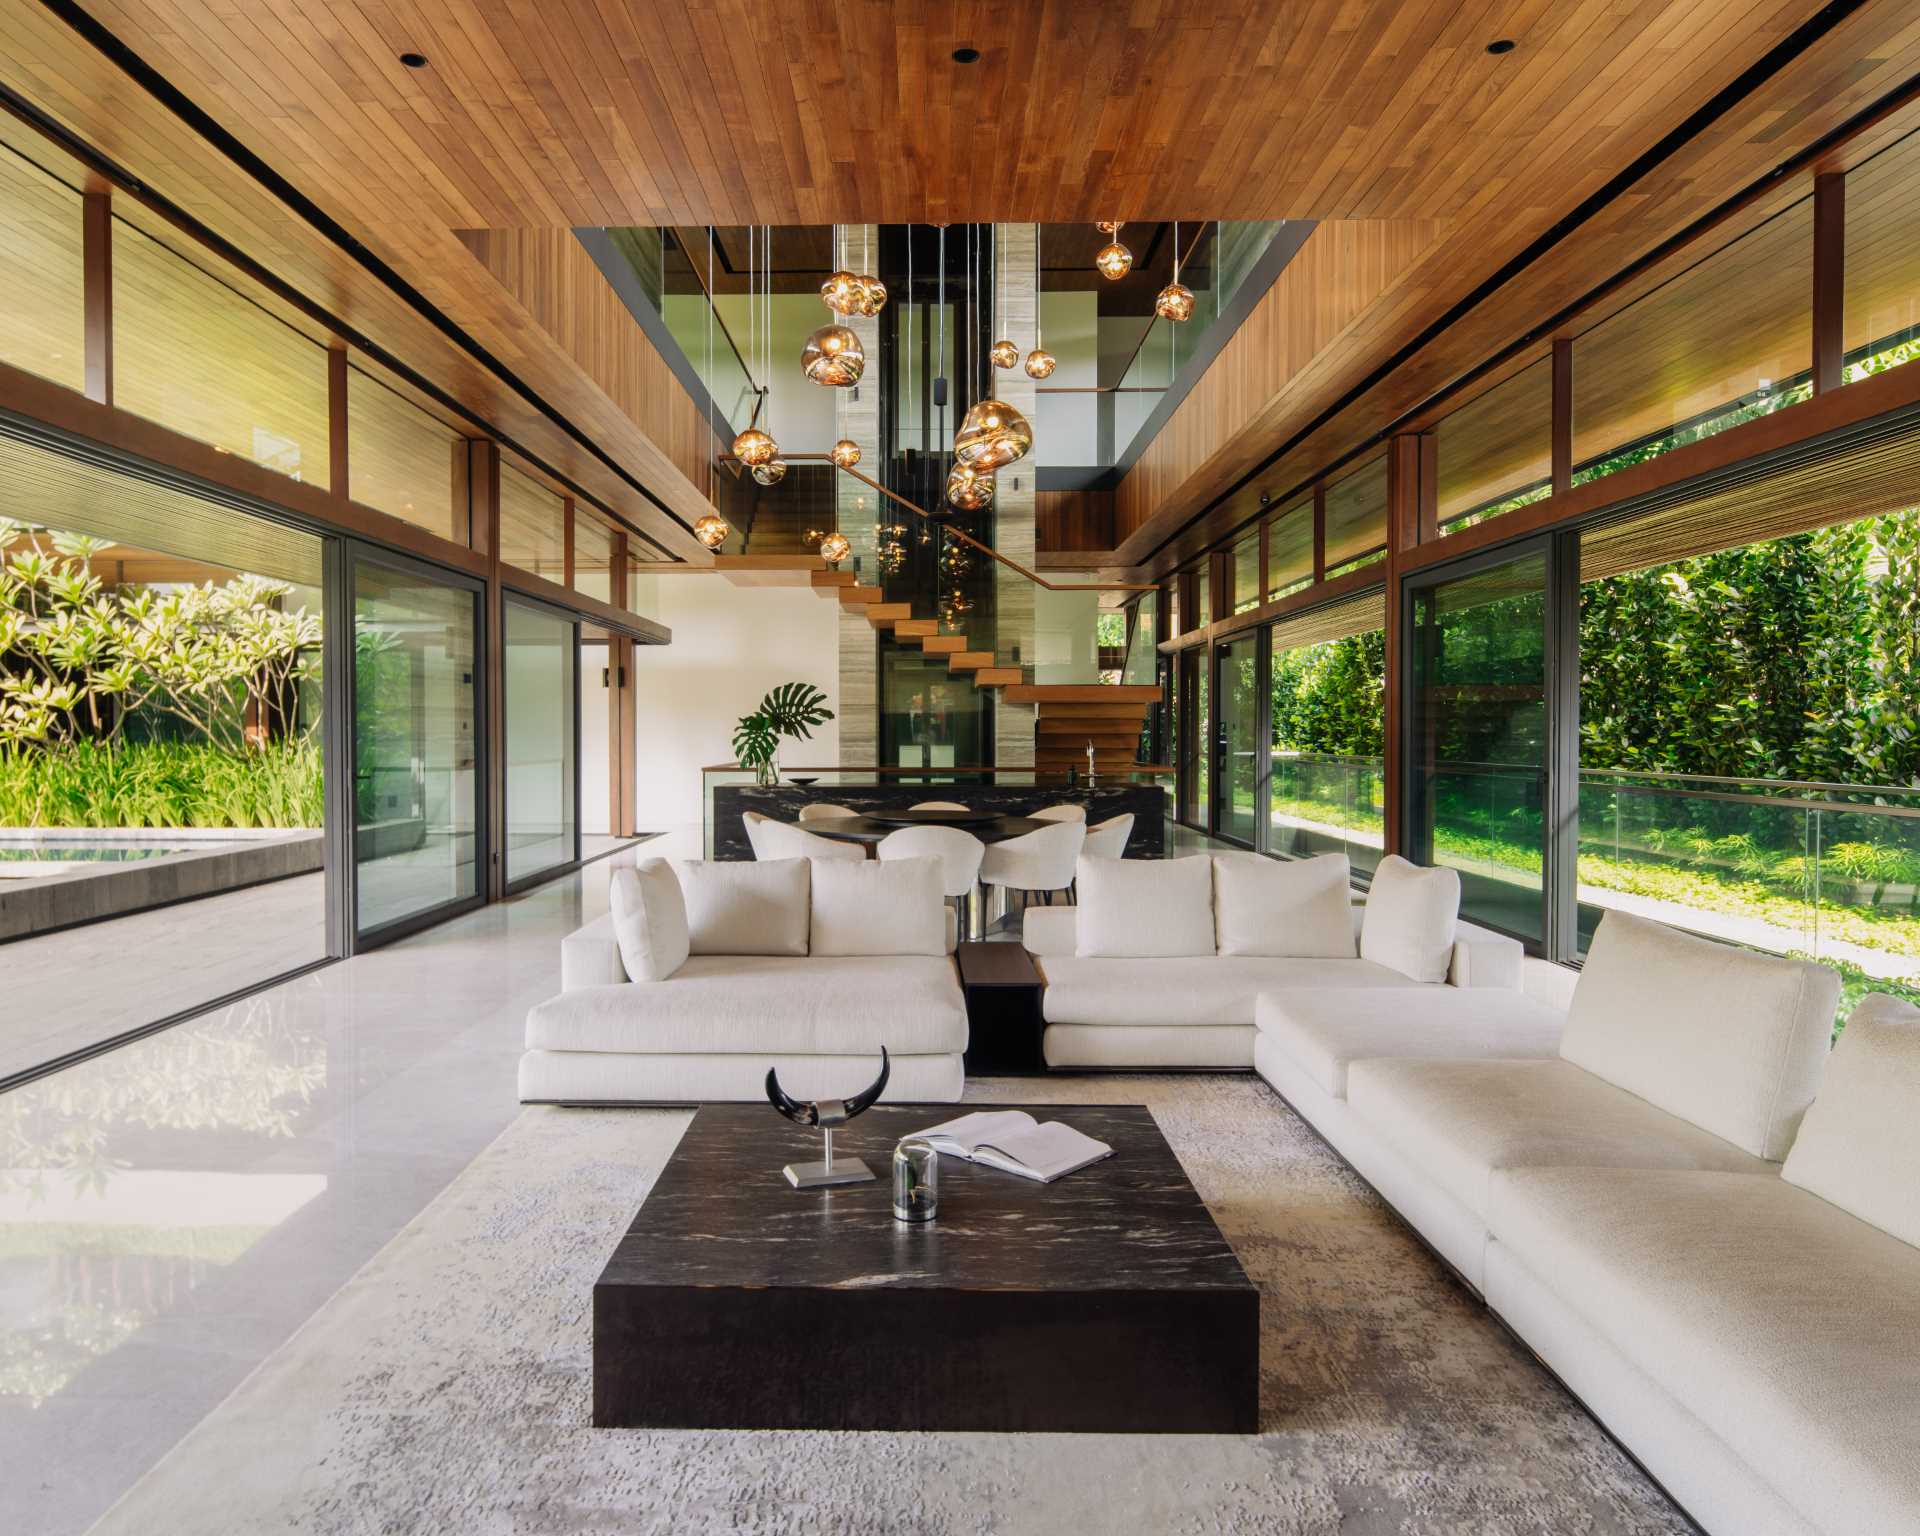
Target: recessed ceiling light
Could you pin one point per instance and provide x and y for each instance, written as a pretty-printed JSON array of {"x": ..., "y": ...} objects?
[
  {"x": 1500, "y": 45},
  {"x": 419, "y": 60},
  {"x": 966, "y": 55}
]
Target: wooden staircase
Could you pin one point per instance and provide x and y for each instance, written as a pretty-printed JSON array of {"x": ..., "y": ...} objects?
[{"x": 1066, "y": 715}]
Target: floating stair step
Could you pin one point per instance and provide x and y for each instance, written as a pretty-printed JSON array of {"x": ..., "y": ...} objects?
[
  {"x": 826, "y": 583},
  {"x": 915, "y": 629},
  {"x": 1085, "y": 693},
  {"x": 859, "y": 597},
  {"x": 997, "y": 677},
  {"x": 943, "y": 645},
  {"x": 967, "y": 661},
  {"x": 886, "y": 615}
]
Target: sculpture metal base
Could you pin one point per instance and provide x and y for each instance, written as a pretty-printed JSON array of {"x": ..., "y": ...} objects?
[{"x": 844, "y": 1170}]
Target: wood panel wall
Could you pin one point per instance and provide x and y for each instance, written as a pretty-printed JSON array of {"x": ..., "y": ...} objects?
[
  {"x": 1070, "y": 522},
  {"x": 551, "y": 275},
  {"x": 1220, "y": 430}
]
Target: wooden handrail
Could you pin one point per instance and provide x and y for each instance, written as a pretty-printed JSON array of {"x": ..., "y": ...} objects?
[{"x": 966, "y": 538}]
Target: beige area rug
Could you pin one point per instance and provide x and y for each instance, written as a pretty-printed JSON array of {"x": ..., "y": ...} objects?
[{"x": 446, "y": 1387}]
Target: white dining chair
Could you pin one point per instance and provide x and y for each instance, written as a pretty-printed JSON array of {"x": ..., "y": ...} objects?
[
  {"x": 1038, "y": 861},
  {"x": 1108, "y": 839},
  {"x": 1059, "y": 813},
  {"x": 818, "y": 810},
  {"x": 959, "y": 854},
  {"x": 938, "y": 805},
  {"x": 777, "y": 840}
]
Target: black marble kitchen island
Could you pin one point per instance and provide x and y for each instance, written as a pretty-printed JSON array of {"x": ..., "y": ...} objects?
[
  {"x": 1106, "y": 1301},
  {"x": 727, "y": 803}
]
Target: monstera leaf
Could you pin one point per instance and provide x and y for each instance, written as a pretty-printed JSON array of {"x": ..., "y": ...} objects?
[
  {"x": 754, "y": 741},
  {"x": 793, "y": 708}
]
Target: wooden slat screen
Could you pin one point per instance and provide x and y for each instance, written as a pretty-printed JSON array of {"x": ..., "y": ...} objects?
[
  {"x": 1334, "y": 621},
  {"x": 1867, "y": 475}
]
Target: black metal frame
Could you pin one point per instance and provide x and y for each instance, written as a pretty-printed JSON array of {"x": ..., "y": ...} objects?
[
  {"x": 1220, "y": 771},
  {"x": 572, "y": 619},
  {"x": 356, "y": 553}
]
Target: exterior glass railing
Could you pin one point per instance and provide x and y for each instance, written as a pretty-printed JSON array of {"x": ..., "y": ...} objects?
[
  {"x": 1320, "y": 803},
  {"x": 1831, "y": 871}
]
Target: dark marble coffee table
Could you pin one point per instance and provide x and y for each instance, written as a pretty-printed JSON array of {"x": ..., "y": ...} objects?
[{"x": 1106, "y": 1301}]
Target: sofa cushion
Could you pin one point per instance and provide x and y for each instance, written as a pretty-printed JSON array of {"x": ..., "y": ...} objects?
[
  {"x": 1324, "y": 1031},
  {"x": 832, "y": 1005},
  {"x": 1731, "y": 1040},
  {"x": 1295, "y": 908},
  {"x": 1181, "y": 990},
  {"x": 1463, "y": 1121},
  {"x": 1138, "y": 909},
  {"x": 649, "y": 920},
  {"x": 1782, "y": 1323},
  {"x": 879, "y": 907},
  {"x": 746, "y": 908},
  {"x": 1859, "y": 1146},
  {"x": 1408, "y": 923}
]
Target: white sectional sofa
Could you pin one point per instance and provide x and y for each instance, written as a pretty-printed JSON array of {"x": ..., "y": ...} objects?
[
  {"x": 1733, "y": 1292},
  {"x": 704, "y": 975},
  {"x": 1160, "y": 962}
]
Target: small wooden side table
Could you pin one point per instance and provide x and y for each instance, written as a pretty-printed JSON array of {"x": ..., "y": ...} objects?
[{"x": 1004, "y": 1026}]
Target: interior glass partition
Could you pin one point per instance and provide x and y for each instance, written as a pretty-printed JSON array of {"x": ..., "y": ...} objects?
[
  {"x": 542, "y": 659},
  {"x": 1477, "y": 765},
  {"x": 416, "y": 743},
  {"x": 1238, "y": 757}
]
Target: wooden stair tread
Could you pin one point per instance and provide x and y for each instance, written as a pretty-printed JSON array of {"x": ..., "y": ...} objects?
[
  {"x": 827, "y": 583},
  {"x": 859, "y": 597},
  {"x": 997, "y": 677},
  {"x": 916, "y": 629},
  {"x": 943, "y": 645},
  {"x": 886, "y": 615},
  {"x": 1084, "y": 693},
  {"x": 966, "y": 661}
]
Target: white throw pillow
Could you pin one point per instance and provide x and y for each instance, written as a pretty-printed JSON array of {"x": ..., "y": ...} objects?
[
  {"x": 747, "y": 906},
  {"x": 1409, "y": 919},
  {"x": 1297, "y": 909},
  {"x": 1859, "y": 1145},
  {"x": 879, "y": 907},
  {"x": 1722, "y": 1037},
  {"x": 649, "y": 920},
  {"x": 1142, "y": 909}
]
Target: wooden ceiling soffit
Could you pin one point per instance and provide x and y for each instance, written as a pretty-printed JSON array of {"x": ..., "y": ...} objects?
[
  {"x": 550, "y": 276},
  {"x": 1347, "y": 270},
  {"x": 527, "y": 391}
]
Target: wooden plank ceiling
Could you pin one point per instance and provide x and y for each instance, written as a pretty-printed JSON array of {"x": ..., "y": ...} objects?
[{"x": 599, "y": 112}]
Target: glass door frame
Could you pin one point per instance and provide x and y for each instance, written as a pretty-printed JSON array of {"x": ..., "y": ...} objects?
[
  {"x": 1560, "y": 843},
  {"x": 343, "y": 816},
  {"x": 1219, "y": 765},
  {"x": 509, "y": 596}
]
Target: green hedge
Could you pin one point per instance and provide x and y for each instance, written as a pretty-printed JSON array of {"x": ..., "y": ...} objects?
[{"x": 161, "y": 784}]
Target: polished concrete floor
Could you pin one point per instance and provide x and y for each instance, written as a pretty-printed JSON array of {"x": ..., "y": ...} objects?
[{"x": 170, "y": 1211}]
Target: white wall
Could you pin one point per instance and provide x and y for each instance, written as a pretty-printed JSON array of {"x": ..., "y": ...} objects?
[
  {"x": 1066, "y": 428},
  {"x": 730, "y": 645}
]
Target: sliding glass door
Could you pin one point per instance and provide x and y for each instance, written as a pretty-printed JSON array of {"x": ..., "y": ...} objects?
[
  {"x": 1478, "y": 749},
  {"x": 542, "y": 696},
  {"x": 1237, "y": 757},
  {"x": 418, "y": 782}
]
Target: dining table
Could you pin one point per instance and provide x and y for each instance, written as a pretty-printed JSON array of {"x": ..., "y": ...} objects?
[{"x": 992, "y": 828}]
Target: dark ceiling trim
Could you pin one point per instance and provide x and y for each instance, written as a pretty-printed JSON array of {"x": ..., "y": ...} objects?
[
  {"x": 203, "y": 124},
  {"x": 1776, "y": 58}
]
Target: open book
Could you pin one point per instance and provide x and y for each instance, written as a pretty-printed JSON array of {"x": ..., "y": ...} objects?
[{"x": 1012, "y": 1140}]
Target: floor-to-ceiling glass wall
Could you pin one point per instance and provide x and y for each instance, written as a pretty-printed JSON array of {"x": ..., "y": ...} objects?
[
  {"x": 1327, "y": 701},
  {"x": 417, "y": 760},
  {"x": 543, "y": 738},
  {"x": 1477, "y": 768},
  {"x": 1237, "y": 759}
]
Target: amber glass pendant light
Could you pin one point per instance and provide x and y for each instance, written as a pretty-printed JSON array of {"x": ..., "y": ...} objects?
[
  {"x": 1040, "y": 362},
  {"x": 1175, "y": 301},
  {"x": 1115, "y": 261}
]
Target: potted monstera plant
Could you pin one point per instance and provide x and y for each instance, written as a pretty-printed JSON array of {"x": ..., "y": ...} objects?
[{"x": 792, "y": 709}]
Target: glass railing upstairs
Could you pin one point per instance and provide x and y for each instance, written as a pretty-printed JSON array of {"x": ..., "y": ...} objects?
[
  {"x": 1323, "y": 803},
  {"x": 1830, "y": 871}
]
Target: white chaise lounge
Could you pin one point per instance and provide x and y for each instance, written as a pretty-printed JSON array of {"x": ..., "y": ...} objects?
[{"x": 704, "y": 975}]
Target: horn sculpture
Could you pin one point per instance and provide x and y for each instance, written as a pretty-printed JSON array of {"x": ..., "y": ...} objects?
[{"x": 826, "y": 1114}]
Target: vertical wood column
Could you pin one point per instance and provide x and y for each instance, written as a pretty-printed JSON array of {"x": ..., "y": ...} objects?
[
  {"x": 1320, "y": 533},
  {"x": 622, "y": 746},
  {"x": 1561, "y": 426},
  {"x": 96, "y": 248},
  {"x": 1266, "y": 579},
  {"x": 483, "y": 516},
  {"x": 1406, "y": 504},
  {"x": 567, "y": 567},
  {"x": 338, "y": 463},
  {"x": 1829, "y": 281}
]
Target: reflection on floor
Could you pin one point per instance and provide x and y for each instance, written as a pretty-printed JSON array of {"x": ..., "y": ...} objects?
[
  {"x": 68, "y": 990},
  {"x": 172, "y": 1210}
]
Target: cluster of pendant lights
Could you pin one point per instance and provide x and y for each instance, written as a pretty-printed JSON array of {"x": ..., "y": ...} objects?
[{"x": 993, "y": 434}]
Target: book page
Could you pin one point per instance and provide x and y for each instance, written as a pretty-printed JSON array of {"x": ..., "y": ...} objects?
[
  {"x": 1042, "y": 1151},
  {"x": 961, "y": 1136}
]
